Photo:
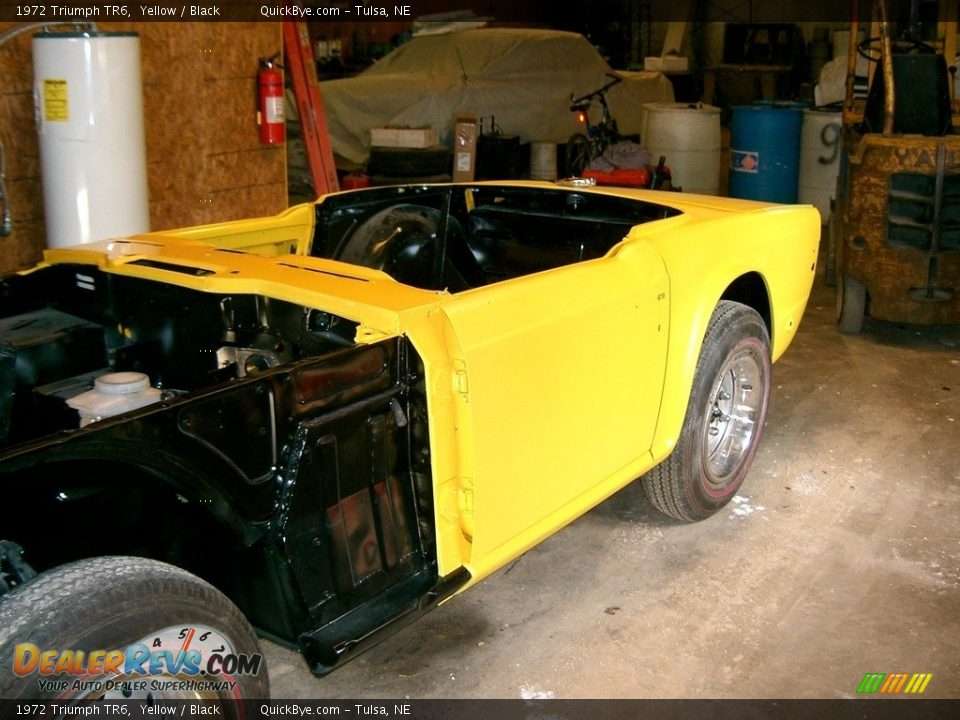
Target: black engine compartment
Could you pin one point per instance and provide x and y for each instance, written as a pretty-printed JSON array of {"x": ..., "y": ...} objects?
[{"x": 64, "y": 325}]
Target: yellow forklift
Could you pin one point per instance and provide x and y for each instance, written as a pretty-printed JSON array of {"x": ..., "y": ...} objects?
[{"x": 894, "y": 247}]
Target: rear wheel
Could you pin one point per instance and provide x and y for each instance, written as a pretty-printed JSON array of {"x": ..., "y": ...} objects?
[
  {"x": 851, "y": 304},
  {"x": 132, "y": 605},
  {"x": 830, "y": 271},
  {"x": 724, "y": 420}
]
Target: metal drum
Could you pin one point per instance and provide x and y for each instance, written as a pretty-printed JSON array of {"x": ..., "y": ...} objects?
[{"x": 765, "y": 152}]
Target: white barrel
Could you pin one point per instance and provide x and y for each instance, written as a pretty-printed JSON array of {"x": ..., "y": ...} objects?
[
  {"x": 89, "y": 104},
  {"x": 820, "y": 135},
  {"x": 688, "y": 136},
  {"x": 543, "y": 161}
]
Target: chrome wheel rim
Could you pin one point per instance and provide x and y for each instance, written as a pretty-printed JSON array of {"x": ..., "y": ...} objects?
[{"x": 732, "y": 416}]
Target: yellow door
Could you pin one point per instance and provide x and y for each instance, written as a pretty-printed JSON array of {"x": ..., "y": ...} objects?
[{"x": 561, "y": 378}]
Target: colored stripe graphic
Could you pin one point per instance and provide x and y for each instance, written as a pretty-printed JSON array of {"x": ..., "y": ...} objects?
[
  {"x": 893, "y": 683},
  {"x": 918, "y": 683},
  {"x": 871, "y": 682}
]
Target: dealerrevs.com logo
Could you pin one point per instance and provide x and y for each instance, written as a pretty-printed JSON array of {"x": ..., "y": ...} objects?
[{"x": 191, "y": 658}]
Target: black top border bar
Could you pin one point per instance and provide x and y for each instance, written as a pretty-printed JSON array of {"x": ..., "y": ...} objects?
[{"x": 537, "y": 12}]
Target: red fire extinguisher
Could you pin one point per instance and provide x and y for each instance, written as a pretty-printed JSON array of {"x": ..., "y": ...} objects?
[{"x": 270, "y": 102}]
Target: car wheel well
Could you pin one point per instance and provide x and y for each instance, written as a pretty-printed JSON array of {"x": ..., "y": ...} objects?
[{"x": 750, "y": 289}]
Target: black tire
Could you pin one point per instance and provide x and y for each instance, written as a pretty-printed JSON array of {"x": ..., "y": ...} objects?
[
  {"x": 384, "y": 180},
  {"x": 851, "y": 304},
  {"x": 576, "y": 155},
  {"x": 410, "y": 162},
  {"x": 111, "y": 603},
  {"x": 716, "y": 445}
]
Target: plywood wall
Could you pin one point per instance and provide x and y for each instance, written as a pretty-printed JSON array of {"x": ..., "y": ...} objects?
[
  {"x": 204, "y": 161},
  {"x": 19, "y": 138}
]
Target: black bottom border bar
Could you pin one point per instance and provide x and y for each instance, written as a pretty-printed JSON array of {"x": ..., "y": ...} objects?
[{"x": 892, "y": 708}]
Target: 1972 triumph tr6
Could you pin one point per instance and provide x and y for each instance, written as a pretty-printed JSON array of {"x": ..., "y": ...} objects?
[{"x": 323, "y": 423}]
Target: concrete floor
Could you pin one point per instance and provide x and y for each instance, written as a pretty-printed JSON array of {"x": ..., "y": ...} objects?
[{"x": 840, "y": 556}]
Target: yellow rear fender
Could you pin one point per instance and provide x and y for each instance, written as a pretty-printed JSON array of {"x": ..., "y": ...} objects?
[{"x": 761, "y": 273}]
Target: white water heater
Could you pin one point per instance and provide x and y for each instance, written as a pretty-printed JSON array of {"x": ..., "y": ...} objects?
[{"x": 89, "y": 105}]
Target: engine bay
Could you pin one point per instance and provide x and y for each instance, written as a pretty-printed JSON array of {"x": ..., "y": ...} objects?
[{"x": 64, "y": 327}]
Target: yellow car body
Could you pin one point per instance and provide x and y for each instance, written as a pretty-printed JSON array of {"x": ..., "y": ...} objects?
[{"x": 546, "y": 391}]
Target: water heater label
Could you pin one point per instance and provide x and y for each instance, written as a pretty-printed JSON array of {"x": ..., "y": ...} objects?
[
  {"x": 747, "y": 161},
  {"x": 55, "y": 105}
]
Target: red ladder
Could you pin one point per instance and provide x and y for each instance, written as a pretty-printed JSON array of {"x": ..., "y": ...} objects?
[{"x": 313, "y": 119}]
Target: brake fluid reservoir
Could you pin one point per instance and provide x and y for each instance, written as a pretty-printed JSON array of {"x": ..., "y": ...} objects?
[{"x": 114, "y": 394}]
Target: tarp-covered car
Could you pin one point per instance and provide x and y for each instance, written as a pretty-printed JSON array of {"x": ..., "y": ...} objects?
[
  {"x": 345, "y": 414},
  {"x": 522, "y": 77}
]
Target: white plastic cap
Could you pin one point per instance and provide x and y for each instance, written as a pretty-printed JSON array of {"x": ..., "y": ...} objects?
[{"x": 122, "y": 383}]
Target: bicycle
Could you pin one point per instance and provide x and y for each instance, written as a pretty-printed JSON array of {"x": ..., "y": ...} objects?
[{"x": 584, "y": 147}]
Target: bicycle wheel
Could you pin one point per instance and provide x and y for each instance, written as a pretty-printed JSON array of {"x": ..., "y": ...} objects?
[{"x": 577, "y": 154}]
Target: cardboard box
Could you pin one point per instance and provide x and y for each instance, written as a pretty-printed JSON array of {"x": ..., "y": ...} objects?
[
  {"x": 403, "y": 137},
  {"x": 465, "y": 147}
]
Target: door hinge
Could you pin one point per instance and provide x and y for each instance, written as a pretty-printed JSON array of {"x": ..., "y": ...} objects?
[{"x": 460, "y": 383}]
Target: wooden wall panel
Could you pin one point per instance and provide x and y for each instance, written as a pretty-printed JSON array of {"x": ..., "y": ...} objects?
[
  {"x": 204, "y": 160},
  {"x": 19, "y": 138}
]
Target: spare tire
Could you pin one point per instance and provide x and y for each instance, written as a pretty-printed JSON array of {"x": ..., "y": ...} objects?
[
  {"x": 383, "y": 180},
  {"x": 409, "y": 162}
]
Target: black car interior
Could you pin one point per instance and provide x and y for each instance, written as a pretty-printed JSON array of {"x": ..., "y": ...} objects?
[{"x": 461, "y": 237}]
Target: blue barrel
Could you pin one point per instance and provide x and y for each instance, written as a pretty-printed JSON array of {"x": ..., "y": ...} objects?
[{"x": 765, "y": 151}]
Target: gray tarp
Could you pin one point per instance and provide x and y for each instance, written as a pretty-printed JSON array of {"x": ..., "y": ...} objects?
[{"x": 523, "y": 77}]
